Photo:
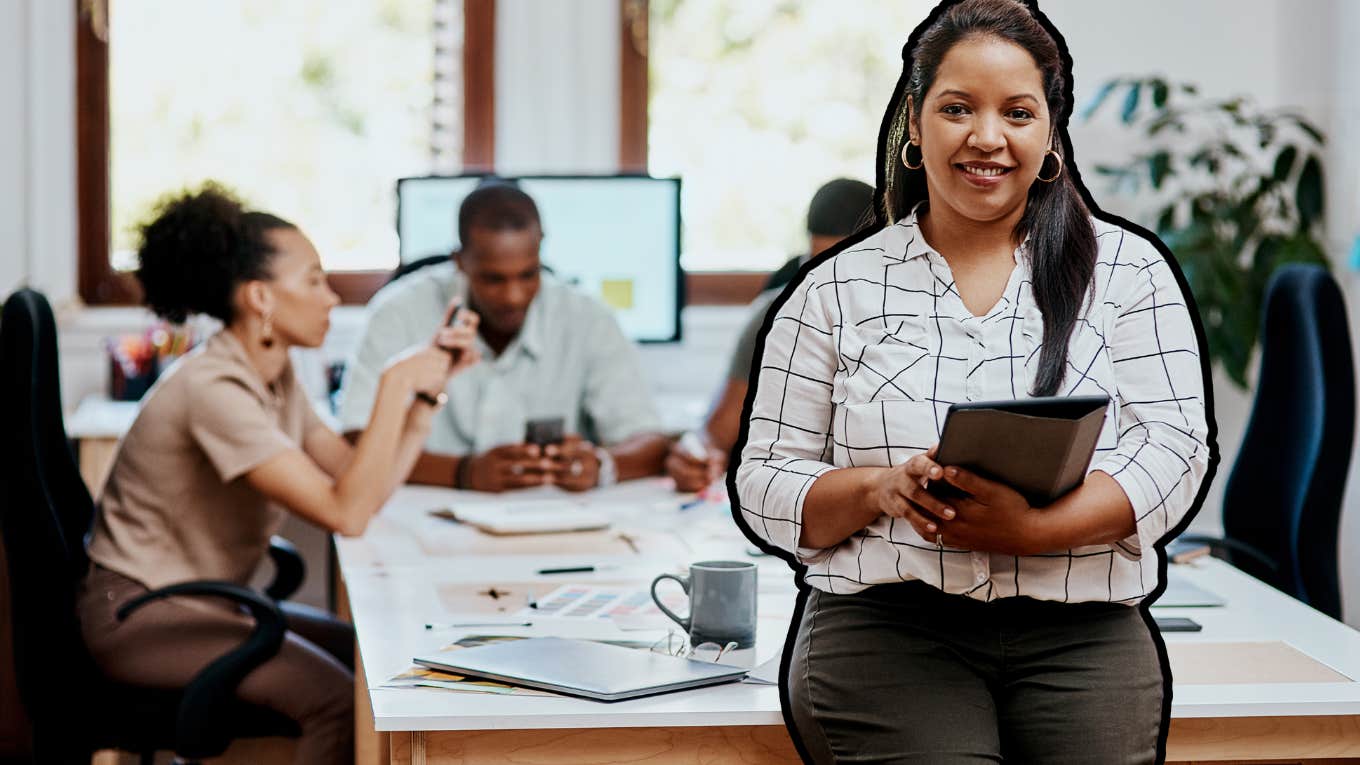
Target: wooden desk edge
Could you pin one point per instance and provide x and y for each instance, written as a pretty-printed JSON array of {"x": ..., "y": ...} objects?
[{"x": 1308, "y": 739}]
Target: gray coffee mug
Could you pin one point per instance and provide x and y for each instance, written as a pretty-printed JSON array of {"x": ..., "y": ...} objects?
[{"x": 722, "y": 602}]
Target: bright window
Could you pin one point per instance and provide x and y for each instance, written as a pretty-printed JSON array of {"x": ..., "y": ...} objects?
[
  {"x": 756, "y": 103},
  {"x": 311, "y": 109}
]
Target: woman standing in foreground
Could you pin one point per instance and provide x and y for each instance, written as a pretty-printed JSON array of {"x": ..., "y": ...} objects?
[
  {"x": 978, "y": 629},
  {"x": 226, "y": 443}
]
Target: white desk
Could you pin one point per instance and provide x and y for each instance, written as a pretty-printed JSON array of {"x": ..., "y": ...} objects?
[
  {"x": 96, "y": 426},
  {"x": 1268, "y": 678}
]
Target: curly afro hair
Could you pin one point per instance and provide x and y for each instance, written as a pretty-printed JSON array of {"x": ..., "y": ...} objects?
[{"x": 197, "y": 247}]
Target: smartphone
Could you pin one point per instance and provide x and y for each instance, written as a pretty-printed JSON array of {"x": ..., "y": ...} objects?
[
  {"x": 543, "y": 431},
  {"x": 454, "y": 353},
  {"x": 1177, "y": 624}
]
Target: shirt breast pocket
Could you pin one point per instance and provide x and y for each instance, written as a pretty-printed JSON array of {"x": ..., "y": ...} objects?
[
  {"x": 884, "y": 433},
  {"x": 879, "y": 365}
]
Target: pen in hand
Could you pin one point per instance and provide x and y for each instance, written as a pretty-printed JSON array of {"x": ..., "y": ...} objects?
[{"x": 454, "y": 354}]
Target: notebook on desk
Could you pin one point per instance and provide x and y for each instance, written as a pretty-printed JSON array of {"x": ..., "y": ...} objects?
[{"x": 582, "y": 668}]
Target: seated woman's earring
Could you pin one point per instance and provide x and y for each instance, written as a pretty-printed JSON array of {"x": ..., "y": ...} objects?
[
  {"x": 906, "y": 156},
  {"x": 267, "y": 331},
  {"x": 1056, "y": 173}
]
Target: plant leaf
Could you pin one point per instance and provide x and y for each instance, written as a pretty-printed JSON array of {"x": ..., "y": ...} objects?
[
  {"x": 1159, "y": 93},
  {"x": 1300, "y": 248},
  {"x": 1284, "y": 163},
  {"x": 1309, "y": 194},
  {"x": 1265, "y": 133},
  {"x": 1131, "y": 102},
  {"x": 1159, "y": 167},
  {"x": 1308, "y": 128},
  {"x": 1167, "y": 119},
  {"x": 1099, "y": 98},
  {"x": 1166, "y": 221}
]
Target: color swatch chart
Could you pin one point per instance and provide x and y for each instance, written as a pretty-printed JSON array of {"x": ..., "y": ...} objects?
[{"x": 583, "y": 601}]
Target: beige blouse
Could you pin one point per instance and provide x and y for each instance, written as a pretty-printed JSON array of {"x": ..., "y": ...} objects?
[{"x": 176, "y": 506}]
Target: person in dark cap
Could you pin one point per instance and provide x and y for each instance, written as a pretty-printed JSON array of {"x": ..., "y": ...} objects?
[
  {"x": 833, "y": 214},
  {"x": 550, "y": 350},
  {"x": 699, "y": 457}
]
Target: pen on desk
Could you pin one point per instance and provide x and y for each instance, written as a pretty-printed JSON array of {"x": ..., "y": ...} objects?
[
  {"x": 455, "y": 625},
  {"x": 693, "y": 503},
  {"x": 574, "y": 569}
]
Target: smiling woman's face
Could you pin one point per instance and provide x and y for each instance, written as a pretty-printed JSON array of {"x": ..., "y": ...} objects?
[{"x": 984, "y": 129}]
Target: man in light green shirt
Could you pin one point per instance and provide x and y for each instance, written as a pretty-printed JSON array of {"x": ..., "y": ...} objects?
[{"x": 548, "y": 351}]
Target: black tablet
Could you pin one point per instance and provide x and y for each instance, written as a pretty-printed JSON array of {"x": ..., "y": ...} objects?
[{"x": 1041, "y": 447}]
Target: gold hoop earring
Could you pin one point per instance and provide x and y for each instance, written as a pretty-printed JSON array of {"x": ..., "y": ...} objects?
[
  {"x": 1056, "y": 156},
  {"x": 907, "y": 163},
  {"x": 267, "y": 331}
]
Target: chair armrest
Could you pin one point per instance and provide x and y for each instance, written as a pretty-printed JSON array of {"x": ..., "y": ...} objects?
[
  {"x": 1219, "y": 544},
  {"x": 289, "y": 569},
  {"x": 207, "y": 695}
]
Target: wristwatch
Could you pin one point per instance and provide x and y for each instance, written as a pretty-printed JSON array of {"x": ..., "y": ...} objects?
[{"x": 608, "y": 474}]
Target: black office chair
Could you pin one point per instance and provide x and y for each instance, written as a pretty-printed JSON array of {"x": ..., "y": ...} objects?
[
  {"x": 1282, "y": 503},
  {"x": 404, "y": 269},
  {"x": 46, "y": 514}
]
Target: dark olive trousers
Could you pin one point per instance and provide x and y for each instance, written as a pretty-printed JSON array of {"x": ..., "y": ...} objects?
[{"x": 904, "y": 673}]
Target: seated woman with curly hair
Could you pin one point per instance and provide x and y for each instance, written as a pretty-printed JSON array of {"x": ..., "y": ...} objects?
[{"x": 225, "y": 444}]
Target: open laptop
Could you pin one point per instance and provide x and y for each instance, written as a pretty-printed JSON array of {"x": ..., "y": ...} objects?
[{"x": 582, "y": 668}]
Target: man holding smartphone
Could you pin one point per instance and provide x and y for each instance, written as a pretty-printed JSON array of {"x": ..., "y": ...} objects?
[{"x": 559, "y": 397}]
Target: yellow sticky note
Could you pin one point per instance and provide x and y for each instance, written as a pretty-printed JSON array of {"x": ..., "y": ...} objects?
[{"x": 617, "y": 293}]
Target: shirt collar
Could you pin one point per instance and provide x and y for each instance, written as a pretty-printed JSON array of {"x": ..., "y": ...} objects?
[
  {"x": 530, "y": 338},
  {"x": 909, "y": 243},
  {"x": 226, "y": 345}
]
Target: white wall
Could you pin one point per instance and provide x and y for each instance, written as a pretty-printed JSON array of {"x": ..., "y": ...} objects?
[
  {"x": 13, "y": 137},
  {"x": 37, "y": 147},
  {"x": 557, "y": 98},
  {"x": 557, "y": 111}
]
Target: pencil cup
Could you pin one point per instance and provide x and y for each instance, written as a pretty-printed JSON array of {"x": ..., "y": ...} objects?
[{"x": 722, "y": 602}]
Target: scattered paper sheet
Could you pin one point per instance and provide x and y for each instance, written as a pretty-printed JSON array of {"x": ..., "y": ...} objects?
[{"x": 583, "y": 601}]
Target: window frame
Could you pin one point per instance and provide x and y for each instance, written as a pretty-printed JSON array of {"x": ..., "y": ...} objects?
[
  {"x": 100, "y": 284},
  {"x": 701, "y": 287}
]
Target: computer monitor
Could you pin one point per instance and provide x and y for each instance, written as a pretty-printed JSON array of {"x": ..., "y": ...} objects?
[{"x": 616, "y": 237}]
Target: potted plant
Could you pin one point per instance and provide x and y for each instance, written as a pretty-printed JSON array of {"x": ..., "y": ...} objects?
[{"x": 1233, "y": 190}]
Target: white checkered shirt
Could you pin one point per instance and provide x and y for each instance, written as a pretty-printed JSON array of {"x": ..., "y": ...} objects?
[{"x": 863, "y": 360}]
